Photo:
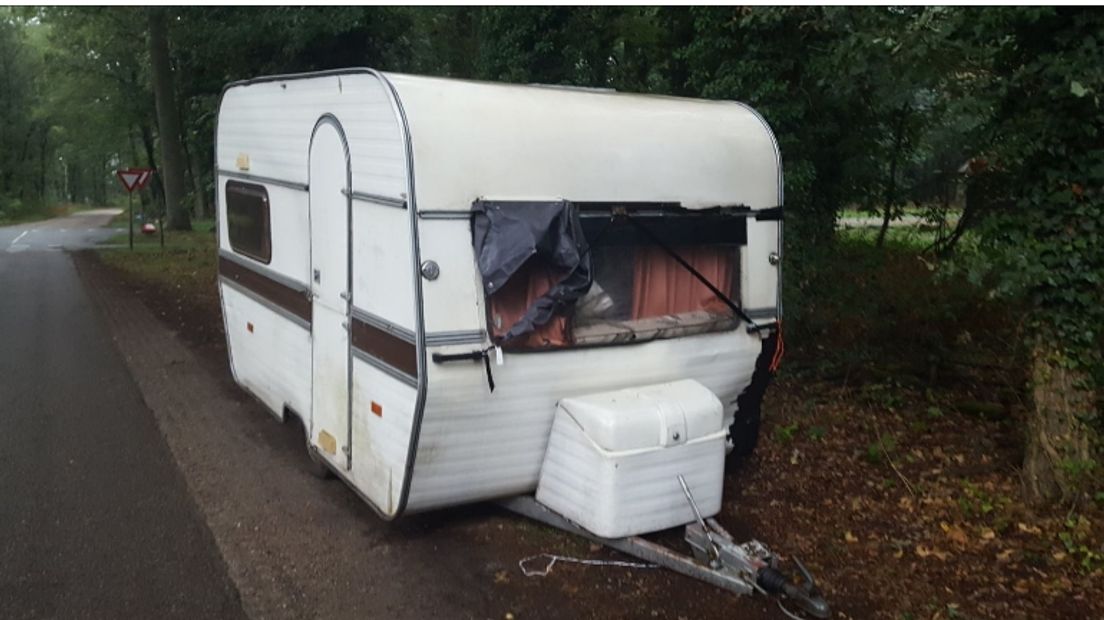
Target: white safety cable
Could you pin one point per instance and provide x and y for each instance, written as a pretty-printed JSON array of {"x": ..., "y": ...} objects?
[{"x": 552, "y": 559}]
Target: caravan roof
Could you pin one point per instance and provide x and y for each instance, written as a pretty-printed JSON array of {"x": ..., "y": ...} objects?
[
  {"x": 525, "y": 142},
  {"x": 502, "y": 141}
]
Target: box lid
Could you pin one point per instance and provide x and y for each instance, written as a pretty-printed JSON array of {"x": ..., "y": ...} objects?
[{"x": 651, "y": 416}]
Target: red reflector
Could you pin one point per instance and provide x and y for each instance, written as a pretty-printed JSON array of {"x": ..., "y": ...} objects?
[
  {"x": 377, "y": 408},
  {"x": 249, "y": 326}
]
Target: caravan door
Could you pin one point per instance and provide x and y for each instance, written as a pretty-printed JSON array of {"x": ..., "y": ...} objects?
[{"x": 330, "y": 189}]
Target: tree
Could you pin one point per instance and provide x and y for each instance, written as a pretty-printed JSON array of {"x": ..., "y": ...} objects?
[
  {"x": 168, "y": 122},
  {"x": 1042, "y": 72},
  {"x": 24, "y": 125}
]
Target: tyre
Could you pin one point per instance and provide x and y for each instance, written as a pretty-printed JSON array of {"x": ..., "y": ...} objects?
[{"x": 744, "y": 432}]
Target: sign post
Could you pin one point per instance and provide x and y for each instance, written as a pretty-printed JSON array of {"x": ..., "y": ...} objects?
[{"x": 133, "y": 179}]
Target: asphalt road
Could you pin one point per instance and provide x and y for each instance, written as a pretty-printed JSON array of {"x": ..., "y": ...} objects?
[
  {"x": 79, "y": 230},
  {"x": 95, "y": 518}
]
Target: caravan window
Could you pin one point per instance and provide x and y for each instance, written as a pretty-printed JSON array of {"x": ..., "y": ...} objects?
[
  {"x": 639, "y": 292},
  {"x": 247, "y": 220}
]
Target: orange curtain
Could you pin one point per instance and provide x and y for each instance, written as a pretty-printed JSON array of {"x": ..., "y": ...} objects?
[
  {"x": 509, "y": 304},
  {"x": 662, "y": 286}
]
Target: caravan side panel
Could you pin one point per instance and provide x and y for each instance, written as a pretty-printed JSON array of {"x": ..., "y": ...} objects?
[{"x": 264, "y": 135}]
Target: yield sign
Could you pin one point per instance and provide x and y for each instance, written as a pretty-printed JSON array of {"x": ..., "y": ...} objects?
[{"x": 134, "y": 178}]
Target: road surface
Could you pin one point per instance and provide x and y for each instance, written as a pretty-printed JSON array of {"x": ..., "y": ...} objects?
[
  {"x": 79, "y": 230},
  {"x": 95, "y": 518}
]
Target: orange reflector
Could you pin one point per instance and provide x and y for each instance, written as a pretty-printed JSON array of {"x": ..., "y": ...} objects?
[
  {"x": 377, "y": 408},
  {"x": 249, "y": 326}
]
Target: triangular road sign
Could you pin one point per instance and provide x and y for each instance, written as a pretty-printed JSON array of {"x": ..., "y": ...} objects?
[
  {"x": 134, "y": 178},
  {"x": 129, "y": 179}
]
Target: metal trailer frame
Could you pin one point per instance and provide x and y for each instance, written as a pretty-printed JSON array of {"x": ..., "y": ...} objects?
[{"x": 717, "y": 559}]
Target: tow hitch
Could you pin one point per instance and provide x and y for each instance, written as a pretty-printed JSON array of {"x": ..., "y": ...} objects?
[
  {"x": 754, "y": 567},
  {"x": 750, "y": 562},
  {"x": 716, "y": 558}
]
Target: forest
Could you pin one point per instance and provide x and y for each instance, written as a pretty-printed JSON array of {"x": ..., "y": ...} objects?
[{"x": 981, "y": 126}]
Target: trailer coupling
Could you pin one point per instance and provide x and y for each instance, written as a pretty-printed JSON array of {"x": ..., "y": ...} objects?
[{"x": 750, "y": 562}]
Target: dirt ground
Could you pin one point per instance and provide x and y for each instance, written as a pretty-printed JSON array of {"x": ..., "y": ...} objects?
[{"x": 903, "y": 500}]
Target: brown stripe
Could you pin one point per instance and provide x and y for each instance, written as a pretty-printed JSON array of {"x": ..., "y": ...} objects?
[
  {"x": 295, "y": 302},
  {"x": 385, "y": 346}
]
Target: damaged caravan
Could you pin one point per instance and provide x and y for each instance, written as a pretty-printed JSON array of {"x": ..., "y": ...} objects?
[{"x": 471, "y": 291}]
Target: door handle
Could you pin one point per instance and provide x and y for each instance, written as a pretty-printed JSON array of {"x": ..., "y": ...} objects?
[{"x": 318, "y": 276}]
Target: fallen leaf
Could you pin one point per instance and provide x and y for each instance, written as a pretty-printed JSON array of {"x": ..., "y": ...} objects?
[
  {"x": 955, "y": 533},
  {"x": 502, "y": 577},
  {"x": 988, "y": 534},
  {"x": 1021, "y": 586},
  {"x": 1005, "y": 556},
  {"x": 925, "y": 552},
  {"x": 1028, "y": 529},
  {"x": 851, "y": 538}
]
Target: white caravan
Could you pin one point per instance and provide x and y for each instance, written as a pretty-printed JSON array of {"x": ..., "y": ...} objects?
[
  {"x": 565, "y": 299},
  {"x": 470, "y": 291}
]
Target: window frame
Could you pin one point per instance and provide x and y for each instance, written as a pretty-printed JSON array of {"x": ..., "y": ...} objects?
[
  {"x": 255, "y": 190},
  {"x": 687, "y": 227}
]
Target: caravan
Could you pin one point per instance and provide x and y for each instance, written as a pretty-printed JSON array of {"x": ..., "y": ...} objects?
[
  {"x": 565, "y": 299},
  {"x": 380, "y": 235}
]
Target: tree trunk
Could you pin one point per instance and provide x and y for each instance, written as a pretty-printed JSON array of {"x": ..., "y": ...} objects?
[
  {"x": 168, "y": 122},
  {"x": 45, "y": 141},
  {"x": 157, "y": 187},
  {"x": 891, "y": 186},
  {"x": 1059, "y": 442},
  {"x": 143, "y": 197},
  {"x": 197, "y": 183}
]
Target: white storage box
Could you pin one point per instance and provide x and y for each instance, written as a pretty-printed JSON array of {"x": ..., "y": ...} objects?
[{"x": 613, "y": 459}]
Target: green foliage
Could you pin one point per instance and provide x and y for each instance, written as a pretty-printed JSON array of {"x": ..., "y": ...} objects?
[
  {"x": 976, "y": 502},
  {"x": 1046, "y": 243},
  {"x": 877, "y": 450},
  {"x": 24, "y": 126},
  {"x": 785, "y": 434},
  {"x": 1077, "y": 541}
]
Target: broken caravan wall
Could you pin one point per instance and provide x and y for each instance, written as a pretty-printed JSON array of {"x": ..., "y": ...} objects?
[
  {"x": 472, "y": 444},
  {"x": 275, "y": 372}
]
